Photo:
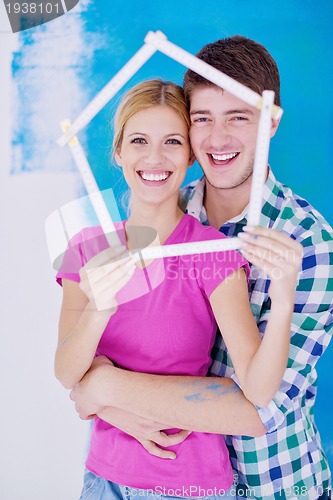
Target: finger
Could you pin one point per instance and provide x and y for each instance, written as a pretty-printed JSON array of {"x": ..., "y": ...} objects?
[
  {"x": 111, "y": 284},
  {"x": 111, "y": 268},
  {"x": 277, "y": 236},
  {"x": 72, "y": 394},
  {"x": 87, "y": 417},
  {"x": 273, "y": 267},
  {"x": 155, "y": 450},
  {"x": 167, "y": 440},
  {"x": 105, "y": 298},
  {"x": 286, "y": 260},
  {"x": 275, "y": 248},
  {"x": 97, "y": 273},
  {"x": 265, "y": 253},
  {"x": 84, "y": 415},
  {"x": 105, "y": 256},
  {"x": 99, "y": 280},
  {"x": 261, "y": 241}
]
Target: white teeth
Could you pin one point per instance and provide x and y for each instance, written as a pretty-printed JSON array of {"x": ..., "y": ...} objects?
[
  {"x": 224, "y": 156},
  {"x": 154, "y": 177}
]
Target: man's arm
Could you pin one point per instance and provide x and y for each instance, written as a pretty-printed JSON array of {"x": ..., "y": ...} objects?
[
  {"x": 148, "y": 433},
  {"x": 202, "y": 404}
]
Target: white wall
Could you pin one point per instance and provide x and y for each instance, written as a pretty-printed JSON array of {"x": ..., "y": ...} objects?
[{"x": 42, "y": 440}]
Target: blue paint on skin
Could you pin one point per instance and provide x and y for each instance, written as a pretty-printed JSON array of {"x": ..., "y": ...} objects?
[
  {"x": 214, "y": 387},
  {"x": 194, "y": 397},
  {"x": 216, "y": 390}
]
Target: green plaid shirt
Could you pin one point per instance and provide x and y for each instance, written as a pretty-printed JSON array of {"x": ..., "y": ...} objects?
[{"x": 289, "y": 461}]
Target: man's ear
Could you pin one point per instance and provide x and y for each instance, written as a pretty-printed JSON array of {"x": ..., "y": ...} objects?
[
  {"x": 192, "y": 159},
  {"x": 275, "y": 126}
]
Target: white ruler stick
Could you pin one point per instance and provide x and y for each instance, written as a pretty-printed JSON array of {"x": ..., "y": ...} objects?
[
  {"x": 92, "y": 188},
  {"x": 261, "y": 158},
  {"x": 202, "y": 68},
  {"x": 157, "y": 41},
  {"x": 107, "y": 225},
  {"x": 104, "y": 96},
  {"x": 190, "y": 248}
]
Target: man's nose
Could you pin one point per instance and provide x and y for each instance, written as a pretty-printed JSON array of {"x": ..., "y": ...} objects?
[{"x": 219, "y": 134}]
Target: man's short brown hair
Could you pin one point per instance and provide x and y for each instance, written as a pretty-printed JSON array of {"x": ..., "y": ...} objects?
[{"x": 243, "y": 59}]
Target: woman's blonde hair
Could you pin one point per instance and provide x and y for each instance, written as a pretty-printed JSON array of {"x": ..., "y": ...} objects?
[{"x": 144, "y": 96}]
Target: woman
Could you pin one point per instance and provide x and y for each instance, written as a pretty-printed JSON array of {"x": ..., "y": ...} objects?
[{"x": 171, "y": 329}]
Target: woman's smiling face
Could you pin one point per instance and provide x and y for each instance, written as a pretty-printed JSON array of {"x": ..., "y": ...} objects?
[{"x": 155, "y": 153}]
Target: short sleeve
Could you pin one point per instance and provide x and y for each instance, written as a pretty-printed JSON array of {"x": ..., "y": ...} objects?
[
  {"x": 72, "y": 261},
  {"x": 215, "y": 267},
  {"x": 81, "y": 248}
]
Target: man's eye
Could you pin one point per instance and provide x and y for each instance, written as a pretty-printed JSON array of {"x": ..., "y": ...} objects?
[
  {"x": 173, "y": 141},
  {"x": 138, "y": 140},
  {"x": 200, "y": 119},
  {"x": 239, "y": 118}
]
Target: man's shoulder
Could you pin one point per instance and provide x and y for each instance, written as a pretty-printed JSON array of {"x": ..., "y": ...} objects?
[
  {"x": 297, "y": 217},
  {"x": 186, "y": 193}
]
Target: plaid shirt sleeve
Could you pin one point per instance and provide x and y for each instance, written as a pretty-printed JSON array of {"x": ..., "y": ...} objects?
[{"x": 312, "y": 324}]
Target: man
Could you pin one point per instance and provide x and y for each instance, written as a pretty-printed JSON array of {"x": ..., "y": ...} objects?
[{"x": 284, "y": 458}]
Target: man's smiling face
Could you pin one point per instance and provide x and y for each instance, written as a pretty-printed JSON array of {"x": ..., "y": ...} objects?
[{"x": 223, "y": 136}]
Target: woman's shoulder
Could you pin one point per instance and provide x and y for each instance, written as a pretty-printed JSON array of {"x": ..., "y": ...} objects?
[
  {"x": 92, "y": 239},
  {"x": 201, "y": 232},
  {"x": 90, "y": 233},
  {"x": 84, "y": 245}
]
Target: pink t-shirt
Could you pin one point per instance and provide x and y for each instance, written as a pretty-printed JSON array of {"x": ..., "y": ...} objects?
[{"x": 170, "y": 330}]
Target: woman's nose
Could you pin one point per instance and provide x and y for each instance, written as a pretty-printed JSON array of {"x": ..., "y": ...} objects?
[{"x": 154, "y": 156}]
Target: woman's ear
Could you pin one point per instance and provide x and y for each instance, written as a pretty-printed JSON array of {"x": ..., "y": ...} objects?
[{"x": 117, "y": 156}]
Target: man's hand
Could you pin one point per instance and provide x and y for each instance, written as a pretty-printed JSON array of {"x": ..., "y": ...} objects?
[
  {"x": 85, "y": 393},
  {"x": 147, "y": 432}
]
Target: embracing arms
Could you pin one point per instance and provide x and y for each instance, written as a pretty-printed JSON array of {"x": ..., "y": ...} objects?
[
  {"x": 206, "y": 404},
  {"x": 202, "y": 404}
]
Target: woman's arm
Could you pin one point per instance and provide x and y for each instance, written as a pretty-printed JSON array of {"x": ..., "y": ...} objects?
[
  {"x": 86, "y": 310},
  {"x": 80, "y": 329},
  {"x": 260, "y": 365}
]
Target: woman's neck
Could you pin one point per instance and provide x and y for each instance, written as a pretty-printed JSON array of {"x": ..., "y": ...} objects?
[{"x": 162, "y": 218}]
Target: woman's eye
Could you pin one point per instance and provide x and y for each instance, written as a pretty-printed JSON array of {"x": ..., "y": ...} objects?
[
  {"x": 173, "y": 141},
  {"x": 138, "y": 140}
]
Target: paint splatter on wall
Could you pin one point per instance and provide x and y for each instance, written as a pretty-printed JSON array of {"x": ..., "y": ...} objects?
[{"x": 49, "y": 83}]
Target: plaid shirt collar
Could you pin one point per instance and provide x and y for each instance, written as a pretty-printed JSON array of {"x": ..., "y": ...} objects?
[{"x": 272, "y": 201}]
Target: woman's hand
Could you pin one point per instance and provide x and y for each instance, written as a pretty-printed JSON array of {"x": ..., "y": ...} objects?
[
  {"x": 278, "y": 255},
  {"x": 104, "y": 275}
]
